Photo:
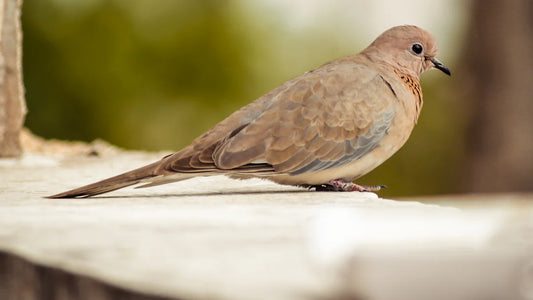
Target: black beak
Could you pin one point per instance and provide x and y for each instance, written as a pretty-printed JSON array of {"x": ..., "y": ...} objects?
[{"x": 441, "y": 66}]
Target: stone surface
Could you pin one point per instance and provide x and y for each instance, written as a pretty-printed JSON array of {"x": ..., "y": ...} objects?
[{"x": 217, "y": 238}]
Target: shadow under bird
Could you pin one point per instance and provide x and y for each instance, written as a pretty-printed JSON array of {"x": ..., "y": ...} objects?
[{"x": 322, "y": 129}]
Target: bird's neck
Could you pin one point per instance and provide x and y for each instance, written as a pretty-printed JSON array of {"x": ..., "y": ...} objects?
[
  {"x": 377, "y": 60},
  {"x": 412, "y": 83}
]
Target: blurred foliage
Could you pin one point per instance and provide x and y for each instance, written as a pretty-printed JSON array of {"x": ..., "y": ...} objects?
[
  {"x": 154, "y": 75},
  {"x": 131, "y": 73}
]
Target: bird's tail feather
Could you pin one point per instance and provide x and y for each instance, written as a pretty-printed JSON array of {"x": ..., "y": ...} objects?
[
  {"x": 111, "y": 184},
  {"x": 151, "y": 176},
  {"x": 172, "y": 178}
]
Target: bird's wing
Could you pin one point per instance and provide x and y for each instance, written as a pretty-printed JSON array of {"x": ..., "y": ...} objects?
[
  {"x": 327, "y": 118},
  {"x": 198, "y": 156}
]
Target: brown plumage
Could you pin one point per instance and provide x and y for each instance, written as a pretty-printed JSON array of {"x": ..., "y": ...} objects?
[{"x": 323, "y": 128}]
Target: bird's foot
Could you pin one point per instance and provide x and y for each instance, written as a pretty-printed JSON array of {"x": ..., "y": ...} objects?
[{"x": 340, "y": 185}]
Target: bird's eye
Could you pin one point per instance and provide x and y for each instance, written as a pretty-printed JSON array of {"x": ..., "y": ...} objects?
[{"x": 417, "y": 48}]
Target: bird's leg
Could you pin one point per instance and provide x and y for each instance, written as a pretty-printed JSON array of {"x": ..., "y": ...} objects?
[{"x": 347, "y": 186}]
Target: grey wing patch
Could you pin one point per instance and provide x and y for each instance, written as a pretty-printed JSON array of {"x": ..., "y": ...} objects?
[{"x": 354, "y": 148}]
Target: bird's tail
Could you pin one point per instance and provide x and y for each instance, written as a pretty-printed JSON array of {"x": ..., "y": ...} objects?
[{"x": 111, "y": 184}]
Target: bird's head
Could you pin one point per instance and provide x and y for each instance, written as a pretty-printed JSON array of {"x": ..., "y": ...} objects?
[{"x": 408, "y": 49}]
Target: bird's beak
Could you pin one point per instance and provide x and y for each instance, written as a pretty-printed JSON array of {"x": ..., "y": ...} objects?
[{"x": 437, "y": 64}]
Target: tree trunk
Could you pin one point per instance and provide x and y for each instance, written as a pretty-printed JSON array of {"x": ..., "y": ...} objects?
[
  {"x": 12, "y": 105},
  {"x": 498, "y": 62}
]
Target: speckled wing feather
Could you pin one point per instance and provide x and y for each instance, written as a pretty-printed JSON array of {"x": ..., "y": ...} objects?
[{"x": 322, "y": 119}]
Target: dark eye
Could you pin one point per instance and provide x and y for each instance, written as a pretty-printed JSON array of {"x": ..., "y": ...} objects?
[{"x": 417, "y": 48}]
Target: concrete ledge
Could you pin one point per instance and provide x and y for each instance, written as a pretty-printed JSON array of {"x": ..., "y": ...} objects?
[
  {"x": 217, "y": 238},
  {"x": 22, "y": 279}
]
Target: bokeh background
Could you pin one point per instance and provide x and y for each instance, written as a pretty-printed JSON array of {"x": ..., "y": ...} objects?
[{"x": 153, "y": 75}]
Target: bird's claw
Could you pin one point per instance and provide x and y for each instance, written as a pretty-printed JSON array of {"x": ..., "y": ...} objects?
[
  {"x": 339, "y": 185},
  {"x": 323, "y": 188}
]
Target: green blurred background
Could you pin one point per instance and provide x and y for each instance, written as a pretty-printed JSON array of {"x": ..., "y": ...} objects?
[{"x": 153, "y": 75}]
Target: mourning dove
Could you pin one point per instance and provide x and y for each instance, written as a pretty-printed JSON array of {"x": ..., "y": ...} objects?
[{"x": 322, "y": 129}]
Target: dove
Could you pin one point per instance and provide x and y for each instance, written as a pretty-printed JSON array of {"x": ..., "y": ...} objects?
[{"x": 322, "y": 129}]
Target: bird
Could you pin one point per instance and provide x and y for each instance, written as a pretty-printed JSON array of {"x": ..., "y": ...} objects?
[{"x": 322, "y": 129}]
